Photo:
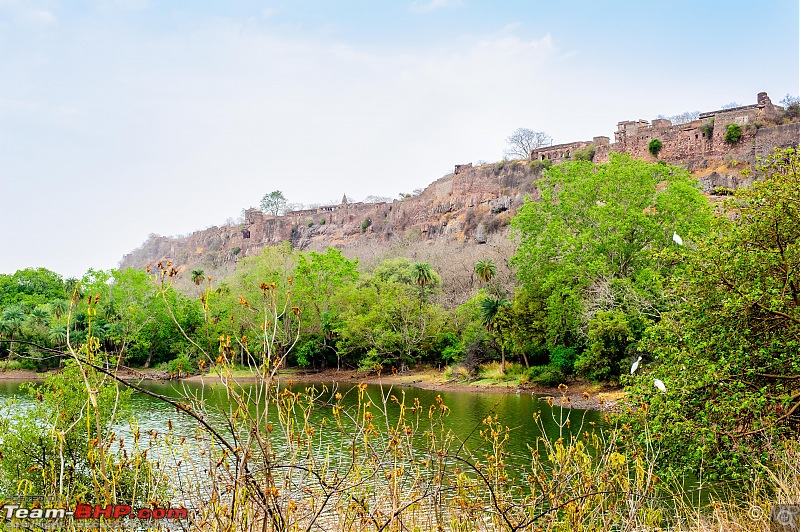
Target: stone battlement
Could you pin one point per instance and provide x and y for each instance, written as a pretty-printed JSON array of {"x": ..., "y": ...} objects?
[{"x": 704, "y": 137}]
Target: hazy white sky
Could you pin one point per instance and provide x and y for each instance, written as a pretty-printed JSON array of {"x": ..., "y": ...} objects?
[{"x": 121, "y": 118}]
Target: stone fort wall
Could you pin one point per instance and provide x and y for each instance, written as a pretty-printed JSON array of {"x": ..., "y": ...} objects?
[{"x": 700, "y": 139}]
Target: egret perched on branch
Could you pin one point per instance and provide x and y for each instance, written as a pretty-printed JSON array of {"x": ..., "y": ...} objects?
[
  {"x": 677, "y": 239},
  {"x": 660, "y": 385},
  {"x": 635, "y": 365}
]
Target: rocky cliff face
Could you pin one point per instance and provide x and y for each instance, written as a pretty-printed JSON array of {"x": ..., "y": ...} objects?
[
  {"x": 456, "y": 220},
  {"x": 450, "y": 222}
]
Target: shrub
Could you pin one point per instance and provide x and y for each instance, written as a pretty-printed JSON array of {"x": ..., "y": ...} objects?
[
  {"x": 654, "y": 147},
  {"x": 586, "y": 154},
  {"x": 563, "y": 358},
  {"x": 236, "y": 250},
  {"x": 733, "y": 133},
  {"x": 708, "y": 128},
  {"x": 609, "y": 338},
  {"x": 310, "y": 223},
  {"x": 180, "y": 366},
  {"x": 548, "y": 375},
  {"x": 322, "y": 221},
  {"x": 365, "y": 224}
]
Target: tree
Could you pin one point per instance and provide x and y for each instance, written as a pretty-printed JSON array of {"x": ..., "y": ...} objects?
[
  {"x": 485, "y": 270},
  {"x": 728, "y": 354},
  {"x": 11, "y": 322},
  {"x": 423, "y": 275},
  {"x": 682, "y": 118},
  {"x": 524, "y": 140},
  {"x": 389, "y": 326},
  {"x": 319, "y": 284},
  {"x": 600, "y": 239},
  {"x": 791, "y": 106},
  {"x": 274, "y": 203},
  {"x": 492, "y": 313},
  {"x": 30, "y": 287},
  {"x": 197, "y": 276}
]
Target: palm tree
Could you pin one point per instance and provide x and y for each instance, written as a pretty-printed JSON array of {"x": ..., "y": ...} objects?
[
  {"x": 485, "y": 270},
  {"x": 58, "y": 334},
  {"x": 59, "y": 307},
  {"x": 422, "y": 274},
  {"x": 70, "y": 286},
  {"x": 491, "y": 311},
  {"x": 10, "y": 323},
  {"x": 197, "y": 276}
]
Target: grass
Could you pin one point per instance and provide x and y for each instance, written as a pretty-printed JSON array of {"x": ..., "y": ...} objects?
[{"x": 493, "y": 372}]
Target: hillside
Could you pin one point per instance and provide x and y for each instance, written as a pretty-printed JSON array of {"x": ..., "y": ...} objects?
[{"x": 464, "y": 216}]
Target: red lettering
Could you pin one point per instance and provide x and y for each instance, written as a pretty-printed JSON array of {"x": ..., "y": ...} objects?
[
  {"x": 82, "y": 511},
  {"x": 177, "y": 513},
  {"x": 121, "y": 511},
  {"x": 159, "y": 513},
  {"x": 105, "y": 512},
  {"x": 144, "y": 513}
]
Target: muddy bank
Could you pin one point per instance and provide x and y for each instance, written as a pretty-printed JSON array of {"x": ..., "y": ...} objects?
[{"x": 578, "y": 394}]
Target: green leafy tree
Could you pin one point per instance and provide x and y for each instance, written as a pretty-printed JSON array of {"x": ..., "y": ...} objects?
[
  {"x": 728, "y": 355},
  {"x": 274, "y": 203},
  {"x": 610, "y": 338},
  {"x": 387, "y": 325},
  {"x": 11, "y": 321},
  {"x": 30, "y": 287},
  {"x": 243, "y": 307},
  {"x": 601, "y": 238},
  {"x": 320, "y": 280}
]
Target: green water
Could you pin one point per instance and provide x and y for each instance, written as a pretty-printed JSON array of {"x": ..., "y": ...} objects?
[{"x": 467, "y": 410}]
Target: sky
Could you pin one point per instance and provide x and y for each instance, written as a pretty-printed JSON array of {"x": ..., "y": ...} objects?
[{"x": 122, "y": 118}]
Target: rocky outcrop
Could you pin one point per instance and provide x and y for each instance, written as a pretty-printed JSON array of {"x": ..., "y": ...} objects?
[
  {"x": 462, "y": 207},
  {"x": 474, "y": 204}
]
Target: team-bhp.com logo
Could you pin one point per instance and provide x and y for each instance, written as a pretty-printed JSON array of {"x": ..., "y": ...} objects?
[{"x": 96, "y": 511}]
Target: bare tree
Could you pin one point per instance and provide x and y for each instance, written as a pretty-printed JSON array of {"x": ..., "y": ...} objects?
[
  {"x": 683, "y": 118},
  {"x": 274, "y": 203},
  {"x": 524, "y": 140},
  {"x": 377, "y": 199}
]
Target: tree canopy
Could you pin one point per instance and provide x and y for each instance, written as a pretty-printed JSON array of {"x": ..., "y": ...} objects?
[
  {"x": 728, "y": 354},
  {"x": 274, "y": 203},
  {"x": 600, "y": 239}
]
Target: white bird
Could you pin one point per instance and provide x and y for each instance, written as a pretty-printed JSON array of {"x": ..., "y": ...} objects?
[
  {"x": 660, "y": 385},
  {"x": 677, "y": 239},
  {"x": 635, "y": 365}
]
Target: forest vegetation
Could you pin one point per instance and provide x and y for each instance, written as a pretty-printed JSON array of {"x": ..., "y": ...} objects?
[{"x": 616, "y": 263}]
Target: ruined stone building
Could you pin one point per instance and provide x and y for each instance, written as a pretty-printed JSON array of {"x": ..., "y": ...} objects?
[{"x": 696, "y": 140}]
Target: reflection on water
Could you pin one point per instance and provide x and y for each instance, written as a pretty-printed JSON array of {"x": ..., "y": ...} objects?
[{"x": 467, "y": 409}]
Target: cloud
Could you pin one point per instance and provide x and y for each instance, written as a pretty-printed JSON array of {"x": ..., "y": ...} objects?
[{"x": 421, "y": 6}]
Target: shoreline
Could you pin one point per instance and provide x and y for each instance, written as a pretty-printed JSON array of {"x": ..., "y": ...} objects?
[
  {"x": 603, "y": 398},
  {"x": 579, "y": 394}
]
